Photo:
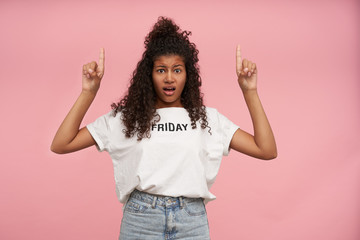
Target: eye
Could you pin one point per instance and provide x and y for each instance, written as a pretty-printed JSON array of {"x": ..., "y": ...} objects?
[
  {"x": 177, "y": 70},
  {"x": 160, "y": 70}
]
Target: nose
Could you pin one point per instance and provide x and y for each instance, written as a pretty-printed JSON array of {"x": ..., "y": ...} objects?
[{"x": 169, "y": 77}]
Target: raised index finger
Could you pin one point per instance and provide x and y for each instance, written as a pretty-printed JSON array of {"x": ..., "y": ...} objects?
[
  {"x": 238, "y": 60},
  {"x": 101, "y": 65}
]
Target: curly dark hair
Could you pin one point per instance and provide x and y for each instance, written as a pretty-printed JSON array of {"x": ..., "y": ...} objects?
[{"x": 138, "y": 106}]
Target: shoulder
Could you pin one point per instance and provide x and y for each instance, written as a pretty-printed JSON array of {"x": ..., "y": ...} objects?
[
  {"x": 215, "y": 117},
  {"x": 212, "y": 113},
  {"x": 111, "y": 115},
  {"x": 211, "y": 110},
  {"x": 108, "y": 119}
]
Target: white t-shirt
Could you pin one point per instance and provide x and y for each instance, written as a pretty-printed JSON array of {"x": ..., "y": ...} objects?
[{"x": 175, "y": 161}]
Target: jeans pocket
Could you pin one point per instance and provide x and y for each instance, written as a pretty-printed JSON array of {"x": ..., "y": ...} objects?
[
  {"x": 135, "y": 206},
  {"x": 195, "y": 208}
]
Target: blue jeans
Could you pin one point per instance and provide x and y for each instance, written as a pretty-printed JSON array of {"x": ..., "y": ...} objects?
[{"x": 154, "y": 217}]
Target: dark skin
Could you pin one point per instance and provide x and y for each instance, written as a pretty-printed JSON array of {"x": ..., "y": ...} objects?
[
  {"x": 169, "y": 73},
  {"x": 69, "y": 138}
]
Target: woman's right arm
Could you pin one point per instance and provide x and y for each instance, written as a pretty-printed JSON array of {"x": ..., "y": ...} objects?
[{"x": 69, "y": 138}]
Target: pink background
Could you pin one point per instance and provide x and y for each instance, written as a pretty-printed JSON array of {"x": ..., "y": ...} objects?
[{"x": 307, "y": 53}]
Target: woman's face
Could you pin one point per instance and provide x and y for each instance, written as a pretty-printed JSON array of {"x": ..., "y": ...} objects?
[{"x": 169, "y": 77}]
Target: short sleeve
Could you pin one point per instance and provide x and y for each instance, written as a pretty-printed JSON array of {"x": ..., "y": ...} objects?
[
  {"x": 99, "y": 130},
  {"x": 227, "y": 128}
]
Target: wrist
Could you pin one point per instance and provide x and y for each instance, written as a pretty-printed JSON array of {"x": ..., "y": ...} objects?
[
  {"x": 250, "y": 92},
  {"x": 88, "y": 93}
]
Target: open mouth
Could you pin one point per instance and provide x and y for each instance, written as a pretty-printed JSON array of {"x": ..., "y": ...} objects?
[{"x": 169, "y": 90}]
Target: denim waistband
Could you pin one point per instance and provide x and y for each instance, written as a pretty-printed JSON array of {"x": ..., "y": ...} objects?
[{"x": 159, "y": 200}]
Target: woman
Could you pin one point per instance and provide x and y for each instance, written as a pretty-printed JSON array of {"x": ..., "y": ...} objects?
[{"x": 166, "y": 146}]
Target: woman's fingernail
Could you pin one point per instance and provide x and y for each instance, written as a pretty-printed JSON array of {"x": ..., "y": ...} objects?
[{"x": 90, "y": 70}]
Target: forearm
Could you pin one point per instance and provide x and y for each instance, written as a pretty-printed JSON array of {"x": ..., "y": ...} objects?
[
  {"x": 263, "y": 135},
  {"x": 69, "y": 128}
]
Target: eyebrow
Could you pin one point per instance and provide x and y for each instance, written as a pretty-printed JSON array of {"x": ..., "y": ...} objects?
[{"x": 163, "y": 66}]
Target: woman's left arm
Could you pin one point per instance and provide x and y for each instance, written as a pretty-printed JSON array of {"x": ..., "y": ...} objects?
[{"x": 262, "y": 145}]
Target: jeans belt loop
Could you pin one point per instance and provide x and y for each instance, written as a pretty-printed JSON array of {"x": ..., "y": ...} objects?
[
  {"x": 181, "y": 202},
  {"x": 153, "y": 205}
]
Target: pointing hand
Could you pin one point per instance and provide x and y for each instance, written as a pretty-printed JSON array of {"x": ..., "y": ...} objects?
[
  {"x": 246, "y": 72},
  {"x": 93, "y": 73}
]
